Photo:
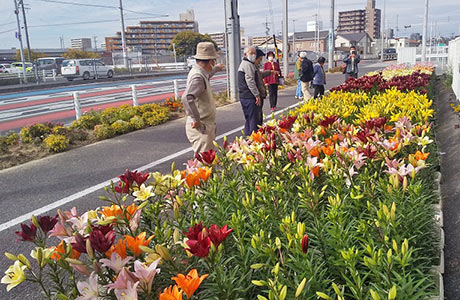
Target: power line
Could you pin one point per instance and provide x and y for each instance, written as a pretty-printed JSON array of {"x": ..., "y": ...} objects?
[
  {"x": 7, "y": 23},
  {"x": 101, "y": 6},
  {"x": 9, "y": 30}
]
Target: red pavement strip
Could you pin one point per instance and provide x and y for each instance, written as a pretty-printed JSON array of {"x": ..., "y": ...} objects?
[{"x": 71, "y": 113}]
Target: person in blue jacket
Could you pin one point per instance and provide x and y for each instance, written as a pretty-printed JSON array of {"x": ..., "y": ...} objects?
[{"x": 319, "y": 78}]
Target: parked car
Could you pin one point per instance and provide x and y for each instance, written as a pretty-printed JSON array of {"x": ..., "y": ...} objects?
[
  {"x": 5, "y": 68},
  {"x": 17, "y": 67},
  {"x": 389, "y": 54},
  {"x": 85, "y": 68},
  {"x": 49, "y": 64},
  {"x": 191, "y": 62}
]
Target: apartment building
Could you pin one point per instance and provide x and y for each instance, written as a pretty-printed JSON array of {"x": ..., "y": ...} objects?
[
  {"x": 81, "y": 43},
  {"x": 361, "y": 20},
  {"x": 152, "y": 36}
]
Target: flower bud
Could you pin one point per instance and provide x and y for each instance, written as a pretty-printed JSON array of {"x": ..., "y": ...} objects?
[
  {"x": 164, "y": 253},
  {"x": 89, "y": 249},
  {"x": 304, "y": 243}
]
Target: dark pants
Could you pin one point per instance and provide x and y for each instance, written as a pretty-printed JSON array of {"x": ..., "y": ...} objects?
[
  {"x": 251, "y": 114},
  {"x": 319, "y": 90},
  {"x": 261, "y": 112},
  {"x": 273, "y": 94},
  {"x": 348, "y": 75}
]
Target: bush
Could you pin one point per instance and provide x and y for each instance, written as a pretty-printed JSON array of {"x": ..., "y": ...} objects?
[
  {"x": 174, "y": 105},
  {"x": 88, "y": 121},
  {"x": 156, "y": 117},
  {"x": 126, "y": 112},
  {"x": 39, "y": 130},
  {"x": 9, "y": 139},
  {"x": 103, "y": 131},
  {"x": 137, "y": 122},
  {"x": 25, "y": 135},
  {"x": 120, "y": 127},
  {"x": 61, "y": 130},
  {"x": 56, "y": 143}
]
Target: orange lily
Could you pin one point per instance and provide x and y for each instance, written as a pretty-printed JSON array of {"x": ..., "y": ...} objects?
[
  {"x": 335, "y": 137},
  {"x": 119, "y": 248},
  {"x": 59, "y": 252},
  {"x": 328, "y": 150},
  {"x": 257, "y": 137},
  {"x": 116, "y": 211},
  {"x": 192, "y": 179},
  {"x": 189, "y": 283},
  {"x": 421, "y": 156},
  {"x": 171, "y": 293},
  {"x": 316, "y": 171},
  {"x": 314, "y": 152},
  {"x": 204, "y": 173},
  {"x": 133, "y": 243},
  {"x": 328, "y": 141}
]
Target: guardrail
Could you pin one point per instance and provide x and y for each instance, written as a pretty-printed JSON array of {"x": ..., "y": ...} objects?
[{"x": 454, "y": 64}]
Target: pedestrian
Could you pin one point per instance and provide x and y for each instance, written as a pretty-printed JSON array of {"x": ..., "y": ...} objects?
[
  {"x": 352, "y": 60},
  {"x": 272, "y": 81},
  {"x": 319, "y": 77},
  {"x": 306, "y": 75},
  {"x": 249, "y": 93},
  {"x": 298, "y": 92},
  {"x": 260, "y": 75},
  {"x": 198, "y": 101}
]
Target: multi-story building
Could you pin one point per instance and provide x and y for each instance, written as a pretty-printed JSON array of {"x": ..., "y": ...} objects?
[
  {"x": 152, "y": 36},
  {"x": 308, "y": 41},
  {"x": 81, "y": 43},
  {"x": 361, "y": 20},
  {"x": 218, "y": 38}
]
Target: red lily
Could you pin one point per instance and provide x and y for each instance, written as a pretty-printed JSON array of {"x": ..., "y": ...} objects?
[
  {"x": 200, "y": 246},
  {"x": 47, "y": 223},
  {"x": 194, "y": 231},
  {"x": 206, "y": 157},
  {"x": 28, "y": 233},
  {"x": 80, "y": 243},
  {"x": 304, "y": 243},
  {"x": 328, "y": 121},
  {"x": 218, "y": 235},
  {"x": 102, "y": 238}
]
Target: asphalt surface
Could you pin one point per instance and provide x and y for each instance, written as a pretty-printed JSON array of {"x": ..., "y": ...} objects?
[
  {"x": 43, "y": 182},
  {"x": 448, "y": 136}
]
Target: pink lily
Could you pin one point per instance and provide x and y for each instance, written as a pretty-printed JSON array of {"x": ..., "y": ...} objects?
[
  {"x": 81, "y": 269},
  {"x": 146, "y": 274},
  {"x": 134, "y": 222},
  {"x": 115, "y": 262},
  {"x": 130, "y": 293},
  {"x": 123, "y": 278},
  {"x": 88, "y": 290}
]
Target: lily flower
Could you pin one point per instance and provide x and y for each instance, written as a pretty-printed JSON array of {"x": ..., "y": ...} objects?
[
  {"x": 133, "y": 243},
  {"x": 115, "y": 262},
  {"x": 102, "y": 238},
  {"x": 171, "y": 293},
  {"x": 218, "y": 235},
  {"x": 143, "y": 193},
  {"x": 118, "y": 248},
  {"x": 200, "y": 246},
  {"x": 207, "y": 157},
  {"x": 304, "y": 243},
  {"x": 88, "y": 290},
  {"x": 14, "y": 275},
  {"x": 122, "y": 282},
  {"x": 28, "y": 233},
  {"x": 130, "y": 293},
  {"x": 189, "y": 283},
  {"x": 146, "y": 274},
  {"x": 47, "y": 223},
  {"x": 60, "y": 251}
]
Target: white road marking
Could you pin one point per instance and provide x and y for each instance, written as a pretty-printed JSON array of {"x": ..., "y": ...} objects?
[{"x": 101, "y": 185}]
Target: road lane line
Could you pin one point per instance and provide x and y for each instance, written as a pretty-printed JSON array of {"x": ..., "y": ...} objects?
[{"x": 101, "y": 185}]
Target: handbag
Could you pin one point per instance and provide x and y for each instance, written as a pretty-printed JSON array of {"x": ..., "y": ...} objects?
[{"x": 281, "y": 80}]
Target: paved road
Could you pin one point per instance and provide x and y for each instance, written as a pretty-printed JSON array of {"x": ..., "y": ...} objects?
[
  {"x": 59, "y": 180},
  {"x": 57, "y": 105}
]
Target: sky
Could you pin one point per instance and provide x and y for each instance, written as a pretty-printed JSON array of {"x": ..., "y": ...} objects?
[{"x": 47, "y": 20}]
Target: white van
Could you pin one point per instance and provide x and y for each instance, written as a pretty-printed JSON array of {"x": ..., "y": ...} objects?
[{"x": 85, "y": 68}]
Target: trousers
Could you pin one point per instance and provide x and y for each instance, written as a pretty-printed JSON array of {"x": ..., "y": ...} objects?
[
  {"x": 306, "y": 90},
  {"x": 202, "y": 138},
  {"x": 251, "y": 115},
  {"x": 298, "y": 92},
  {"x": 273, "y": 94},
  {"x": 319, "y": 90}
]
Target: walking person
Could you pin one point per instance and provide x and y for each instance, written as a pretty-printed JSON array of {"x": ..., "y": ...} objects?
[
  {"x": 272, "y": 81},
  {"x": 306, "y": 75},
  {"x": 298, "y": 92},
  {"x": 319, "y": 78},
  {"x": 248, "y": 91},
  {"x": 198, "y": 101},
  {"x": 352, "y": 60}
]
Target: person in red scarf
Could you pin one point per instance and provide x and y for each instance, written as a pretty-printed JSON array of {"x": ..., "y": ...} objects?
[{"x": 272, "y": 81}]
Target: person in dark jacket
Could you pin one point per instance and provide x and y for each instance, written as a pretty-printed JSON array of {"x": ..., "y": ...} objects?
[
  {"x": 260, "y": 75},
  {"x": 306, "y": 76},
  {"x": 272, "y": 81},
  {"x": 319, "y": 79},
  {"x": 352, "y": 60}
]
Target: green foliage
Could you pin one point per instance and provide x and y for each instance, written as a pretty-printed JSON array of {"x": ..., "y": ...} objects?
[
  {"x": 186, "y": 41},
  {"x": 34, "y": 55},
  {"x": 79, "y": 53},
  {"x": 120, "y": 127},
  {"x": 87, "y": 120},
  {"x": 10, "y": 139},
  {"x": 137, "y": 122},
  {"x": 56, "y": 143},
  {"x": 103, "y": 131}
]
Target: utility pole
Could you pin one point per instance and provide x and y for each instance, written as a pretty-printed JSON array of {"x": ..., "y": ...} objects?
[
  {"x": 21, "y": 49},
  {"x": 331, "y": 37},
  {"x": 293, "y": 42},
  {"x": 425, "y": 25},
  {"x": 232, "y": 32},
  {"x": 382, "y": 38},
  {"x": 95, "y": 42},
  {"x": 317, "y": 28},
  {"x": 285, "y": 38},
  {"x": 29, "y": 55},
  {"x": 123, "y": 37}
]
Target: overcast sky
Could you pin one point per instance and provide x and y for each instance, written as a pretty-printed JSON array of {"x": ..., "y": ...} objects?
[{"x": 209, "y": 14}]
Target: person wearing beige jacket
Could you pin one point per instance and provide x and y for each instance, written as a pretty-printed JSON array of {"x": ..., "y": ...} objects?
[{"x": 198, "y": 100}]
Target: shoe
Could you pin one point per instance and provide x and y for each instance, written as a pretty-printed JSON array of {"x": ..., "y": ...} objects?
[{"x": 272, "y": 109}]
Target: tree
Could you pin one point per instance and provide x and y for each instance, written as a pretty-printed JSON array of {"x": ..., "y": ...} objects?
[
  {"x": 34, "y": 55},
  {"x": 186, "y": 41},
  {"x": 79, "y": 53}
]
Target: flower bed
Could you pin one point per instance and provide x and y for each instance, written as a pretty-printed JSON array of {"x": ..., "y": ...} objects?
[{"x": 332, "y": 201}]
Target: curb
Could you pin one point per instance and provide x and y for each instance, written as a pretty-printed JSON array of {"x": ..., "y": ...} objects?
[{"x": 438, "y": 270}]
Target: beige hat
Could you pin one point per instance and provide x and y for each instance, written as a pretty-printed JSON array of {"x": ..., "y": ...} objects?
[{"x": 205, "y": 51}]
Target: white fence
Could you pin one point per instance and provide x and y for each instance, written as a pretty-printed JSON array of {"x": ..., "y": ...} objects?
[
  {"x": 436, "y": 54},
  {"x": 454, "y": 64}
]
